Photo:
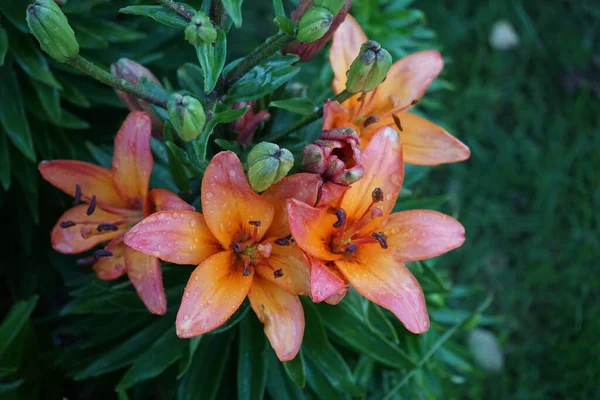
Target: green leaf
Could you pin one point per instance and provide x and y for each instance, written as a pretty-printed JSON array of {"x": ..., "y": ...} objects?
[
  {"x": 319, "y": 383},
  {"x": 252, "y": 360},
  {"x": 234, "y": 9},
  {"x": 286, "y": 25},
  {"x": 378, "y": 322},
  {"x": 12, "y": 113},
  {"x": 3, "y": 45},
  {"x": 278, "y": 8},
  {"x": 102, "y": 156},
  {"x": 420, "y": 203},
  {"x": 165, "y": 351},
  {"x": 4, "y": 155},
  {"x": 190, "y": 77},
  {"x": 228, "y": 116},
  {"x": 212, "y": 60},
  {"x": 279, "y": 385},
  {"x": 300, "y": 105},
  {"x": 28, "y": 174},
  {"x": 157, "y": 13},
  {"x": 109, "y": 31},
  {"x": 126, "y": 352},
  {"x": 15, "y": 11},
  {"x": 15, "y": 321},
  {"x": 265, "y": 78},
  {"x": 296, "y": 370},
  {"x": 29, "y": 57},
  {"x": 363, "y": 371},
  {"x": 325, "y": 357},
  {"x": 50, "y": 100},
  {"x": 188, "y": 356},
  {"x": 205, "y": 375},
  {"x": 176, "y": 166},
  {"x": 414, "y": 173}
]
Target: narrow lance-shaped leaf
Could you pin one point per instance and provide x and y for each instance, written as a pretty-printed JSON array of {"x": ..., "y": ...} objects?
[
  {"x": 188, "y": 355},
  {"x": 157, "y": 13},
  {"x": 211, "y": 57},
  {"x": 252, "y": 359},
  {"x": 300, "y": 105},
  {"x": 3, "y": 45},
  {"x": 234, "y": 10},
  {"x": 296, "y": 369},
  {"x": 5, "y": 169}
]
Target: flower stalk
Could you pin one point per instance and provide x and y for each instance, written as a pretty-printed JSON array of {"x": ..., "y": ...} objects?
[{"x": 177, "y": 8}]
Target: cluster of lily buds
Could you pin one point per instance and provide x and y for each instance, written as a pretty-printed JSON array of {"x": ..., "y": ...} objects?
[{"x": 335, "y": 156}]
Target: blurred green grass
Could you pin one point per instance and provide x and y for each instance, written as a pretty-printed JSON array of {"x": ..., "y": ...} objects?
[{"x": 530, "y": 194}]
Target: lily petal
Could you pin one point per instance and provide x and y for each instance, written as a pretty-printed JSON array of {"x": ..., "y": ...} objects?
[
  {"x": 336, "y": 115},
  {"x": 422, "y": 234},
  {"x": 294, "y": 265},
  {"x": 331, "y": 195},
  {"x": 70, "y": 241},
  {"x": 93, "y": 180},
  {"x": 180, "y": 237},
  {"x": 380, "y": 277},
  {"x": 302, "y": 187},
  {"x": 407, "y": 81},
  {"x": 345, "y": 46},
  {"x": 132, "y": 160},
  {"x": 282, "y": 314},
  {"x": 229, "y": 203},
  {"x": 384, "y": 169},
  {"x": 325, "y": 282},
  {"x": 145, "y": 275},
  {"x": 109, "y": 268},
  {"x": 163, "y": 200},
  {"x": 214, "y": 292},
  {"x": 312, "y": 228}
]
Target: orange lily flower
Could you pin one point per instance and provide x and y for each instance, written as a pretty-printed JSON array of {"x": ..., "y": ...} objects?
[
  {"x": 117, "y": 199},
  {"x": 241, "y": 248},
  {"x": 424, "y": 143},
  {"x": 361, "y": 243}
]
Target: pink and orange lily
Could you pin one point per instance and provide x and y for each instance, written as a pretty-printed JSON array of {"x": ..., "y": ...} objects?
[
  {"x": 241, "y": 246},
  {"x": 117, "y": 198},
  {"x": 362, "y": 243},
  {"x": 424, "y": 143}
]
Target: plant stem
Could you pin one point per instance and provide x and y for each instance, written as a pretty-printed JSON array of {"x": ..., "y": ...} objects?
[
  {"x": 177, "y": 8},
  {"x": 218, "y": 15},
  {"x": 115, "y": 82},
  {"x": 341, "y": 97},
  {"x": 256, "y": 56}
]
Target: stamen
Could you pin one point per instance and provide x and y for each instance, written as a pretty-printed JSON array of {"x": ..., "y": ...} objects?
[
  {"x": 415, "y": 101},
  {"x": 246, "y": 271},
  {"x": 340, "y": 213},
  {"x": 77, "y": 198},
  {"x": 254, "y": 223},
  {"x": 397, "y": 122},
  {"x": 92, "y": 206},
  {"x": 381, "y": 239},
  {"x": 89, "y": 260},
  {"x": 237, "y": 247},
  {"x": 371, "y": 120},
  {"x": 278, "y": 273},
  {"x": 102, "y": 253},
  {"x": 107, "y": 227},
  {"x": 67, "y": 224},
  {"x": 351, "y": 248},
  {"x": 282, "y": 241},
  {"x": 377, "y": 195}
]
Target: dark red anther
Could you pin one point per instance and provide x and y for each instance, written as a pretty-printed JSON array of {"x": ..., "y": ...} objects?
[
  {"x": 377, "y": 195},
  {"x": 89, "y": 260},
  {"x": 92, "y": 206},
  {"x": 77, "y": 198},
  {"x": 237, "y": 247},
  {"x": 254, "y": 223},
  {"x": 107, "y": 227},
  {"x": 340, "y": 213},
  {"x": 397, "y": 122},
  {"x": 282, "y": 241},
  {"x": 67, "y": 224},
  {"x": 278, "y": 273},
  {"x": 351, "y": 249},
  {"x": 102, "y": 253},
  {"x": 371, "y": 120},
  {"x": 246, "y": 271},
  {"x": 381, "y": 239},
  {"x": 415, "y": 101}
]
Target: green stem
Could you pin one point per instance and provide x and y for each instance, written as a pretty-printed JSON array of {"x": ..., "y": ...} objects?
[
  {"x": 218, "y": 15},
  {"x": 177, "y": 8},
  {"x": 256, "y": 56},
  {"x": 340, "y": 98},
  {"x": 115, "y": 82}
]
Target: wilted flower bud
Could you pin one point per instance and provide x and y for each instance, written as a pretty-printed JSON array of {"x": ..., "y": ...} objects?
[
  {"x": 267, "y": 165},
  {"x": 369, "y": 68},
  {"x": 200, "y": 30},
  {"x": 51, "y": 28},
  {"x": 334, "y": 6},
  {"x": 248, "y": 123},
  {"x": 307, "y": 50},
  {"x": 314, "y": 24},
  {"x": 187, "y": 116},
  {"x": 335, "y": 156}
]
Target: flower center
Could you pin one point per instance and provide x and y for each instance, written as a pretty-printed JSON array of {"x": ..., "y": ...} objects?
[{"x": 252, "y": 253}]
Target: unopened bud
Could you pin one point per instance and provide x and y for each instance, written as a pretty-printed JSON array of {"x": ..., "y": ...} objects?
[
  {"x": 51, "y": 28},
  {"x": 314, "y": 24},
  {"x": 186, "y": 115},
  {"x": 334, "y": 6},
  {"x": 267, "y": 165},
  {"x": 369, "y": 68},
  {"x": 133, "y": 73},
  {"x": 200, "y": 30}
]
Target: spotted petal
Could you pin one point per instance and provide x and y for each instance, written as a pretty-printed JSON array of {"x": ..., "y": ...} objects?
[
  {"x": 293, "y": 264},
  {"x": 109, "y": 268},
  {"x": 163, "y": 200},
  {"x": 325, "y": 282}
]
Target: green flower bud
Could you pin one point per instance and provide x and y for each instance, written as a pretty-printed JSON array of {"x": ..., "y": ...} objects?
[
  {"x": 314, "y": 24},
  {"x": 186, "y": 115},
  {"x": 51, "y": 28},
  {"x": 200, "y": 30},
  {"x": 334, "y": 6},
  {"x": 267, "y": 165},
  {"x": 369, "y": 68}
]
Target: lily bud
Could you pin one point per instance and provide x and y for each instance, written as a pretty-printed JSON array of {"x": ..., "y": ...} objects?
[
  {"x": 51, "y": 28},
  {"x": 267, "y": 165},
  {"x": 314, "y": 24},
  {"x": 369, "y": 68},
  {"x": 186, "y": 115},
  {"x": 247, "y": 124},
  {"x": 334, "y": 6},
  {"x": 336, "y": 156},
  {"x": 200, "y": 30}
]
